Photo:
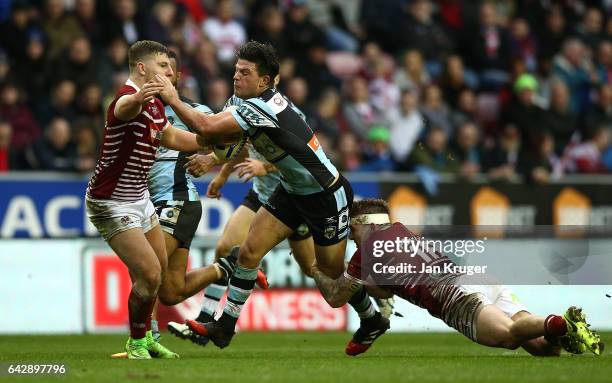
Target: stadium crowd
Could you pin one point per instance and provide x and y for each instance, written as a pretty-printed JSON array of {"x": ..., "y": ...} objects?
[{"x": 504, "y": 88}]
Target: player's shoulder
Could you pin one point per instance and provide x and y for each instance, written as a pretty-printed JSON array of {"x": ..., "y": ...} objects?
[{"x": 126, "y": 89}]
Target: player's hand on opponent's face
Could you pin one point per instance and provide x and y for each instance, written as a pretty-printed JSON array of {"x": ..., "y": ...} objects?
[
  {"x": 199, "y": 164},
  {"x": 168, "y": 91},
  {"x": 148, "y": 91},
  {"x": 251, "y": 168}
]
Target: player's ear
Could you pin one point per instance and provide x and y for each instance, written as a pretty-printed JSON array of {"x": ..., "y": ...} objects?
[
  {"x": 178, "y": 76},
  {"x": 266, "y": 81},
  {"x": 140, "y": 67}
]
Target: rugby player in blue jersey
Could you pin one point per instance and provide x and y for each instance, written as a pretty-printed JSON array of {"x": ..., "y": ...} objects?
[{"x": 311, "y": 189}]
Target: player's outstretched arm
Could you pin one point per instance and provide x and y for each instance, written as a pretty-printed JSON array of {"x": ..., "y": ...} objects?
[
  {"x": 215, "y": 128},
  {"x": 336, "y": 292},
  {"x": 130, "y": 105},
  {"x": 180, "y": 140}
]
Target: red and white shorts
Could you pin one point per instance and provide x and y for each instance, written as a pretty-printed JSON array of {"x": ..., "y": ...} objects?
[{"x": 112, "y": 217}]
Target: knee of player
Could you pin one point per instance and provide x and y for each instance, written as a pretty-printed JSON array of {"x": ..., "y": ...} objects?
[
  {"x": 152, "y": 279},
  {"x": 509, "y": 341},
  {"x": 248, "y": 257},
  {"x": 169, "y": 298},
  {"x": 222, "y": 250}
]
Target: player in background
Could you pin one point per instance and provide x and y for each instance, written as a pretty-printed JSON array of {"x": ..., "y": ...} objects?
[
  {"x": 117, "y": 198},
  {"x": 179, "y": 208},
  {"x": 489, "y": 315},
  {"x": 311, "y": 189}
]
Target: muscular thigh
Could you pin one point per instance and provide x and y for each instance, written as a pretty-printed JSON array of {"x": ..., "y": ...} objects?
[
  {"x": 266, "y": 231},
  {"x": 155, "y": 237},
  {"x": 236, "y": 229},
  {"x": 303, "y": 252},
  {"x": 135, "y": 252}
]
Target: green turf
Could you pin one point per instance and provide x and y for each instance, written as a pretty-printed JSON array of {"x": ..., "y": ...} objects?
[{"x": 302, "y": 357}]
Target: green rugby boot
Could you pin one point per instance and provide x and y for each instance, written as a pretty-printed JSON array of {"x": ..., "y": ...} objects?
[
  {"x": 580, "y": 337},
  {"x": 157, "y": 350},
  {"x": 137, "y": 349}
]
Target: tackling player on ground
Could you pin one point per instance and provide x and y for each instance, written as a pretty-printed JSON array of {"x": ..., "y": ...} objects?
[
  {"x": 311, "y": 189},
  {"x": 489, "y": 315},
  {"x": 117, "y": 197}
]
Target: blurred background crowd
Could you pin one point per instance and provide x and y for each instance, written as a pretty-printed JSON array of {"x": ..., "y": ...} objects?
[{"x": 501, "y": 88}]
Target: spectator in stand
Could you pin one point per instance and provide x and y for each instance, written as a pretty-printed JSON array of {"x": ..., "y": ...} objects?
[
  {"x": 87, "y": 142},
  {"x": 218, "y": 93},
  {"x": 350, "y": 154},
  {"x": 88, "y": 20},
  {"x": 18, "y": 115},
  {"x": 578, "y": 73},
  {"x": 600, "y": 113},
  {"x": 205, "y": 66},
  {"x": 412, "y": 74},
  {"x": 60, "y": 28},
  {"x": 125, "y": 22},
  {"x": 301, "y": 33},
  {"x": 297, "y": 91},
  {"x": 435, "y": 111},
  {"x": 550, "y": 39},
  {"x": 78, "y": 65},
  {"x": 466, "y": 150},
  {"x": 604, "y": 62},
  {"x": 454, "y": 80},
  {"x": 357, "y": 110},
  {"x": 423, "y": 33},
  {"x": 160, "y": 23},
  {"x": 384, "y": 93},
  {"x": 225, "y": 32},
  {"x": 523, "y": 44},
  {"x": 15, "y": 32},
  {"x": 326, "y": 118},
  {"x": 5, "y": 68},
  {"x": 503, "y": 160},
  {"x": 378, "y": 157},
  {"x": 314, "y": 70},
  {"x": 89, "y": 105},
  {"x": 467, "y": 109},
  {"x": 487, "y": 49},
  {"x": 61, "y": 103},
  {"x": 406, "y": 126},
  {"x": 559, "y": 119},
  {"x": 34, "y": 71},
  {"x": 589, "y": 31},
  {"x": 587, "y": 156},
  {"x": 55, "y": 150},
  {"x": 523, "y": 111},
  {"x": 113, "y": 61},
  {"x": 380, "y": 20},
  {"x": 271, "y": 29},
  {"x": 541, "y": 164},
  {"x": 433, "y": 154},
  {"x": 7, "y": 154}
]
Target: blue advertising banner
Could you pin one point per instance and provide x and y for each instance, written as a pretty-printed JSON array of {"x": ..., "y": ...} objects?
[{"x": 47, "y": 207}]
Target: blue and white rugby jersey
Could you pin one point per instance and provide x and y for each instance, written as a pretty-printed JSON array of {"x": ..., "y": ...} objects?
[
  {"x": 168, "y": 180},
  {"x": 279, "y": 133}
]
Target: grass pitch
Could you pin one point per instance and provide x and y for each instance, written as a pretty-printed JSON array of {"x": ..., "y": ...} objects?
[{"x": 300, "y": 357}]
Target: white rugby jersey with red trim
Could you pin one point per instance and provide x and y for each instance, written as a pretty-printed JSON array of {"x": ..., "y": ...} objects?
[{"x": 128, "y": 151}]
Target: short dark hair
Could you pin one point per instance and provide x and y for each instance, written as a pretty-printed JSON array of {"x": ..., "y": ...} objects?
[
  {"x": 174, "y": 55},
  {"x": 263, "y": 55},
  {"x": 369, "y": 206},
  {"x": 143, "y": 48}
]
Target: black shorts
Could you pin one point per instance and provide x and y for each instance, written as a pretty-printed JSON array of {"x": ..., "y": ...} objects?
[
  {"x": 180, "y": 219},
  {"x": 252, "y": 202},
  {"x": 325, "y": 213}
]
